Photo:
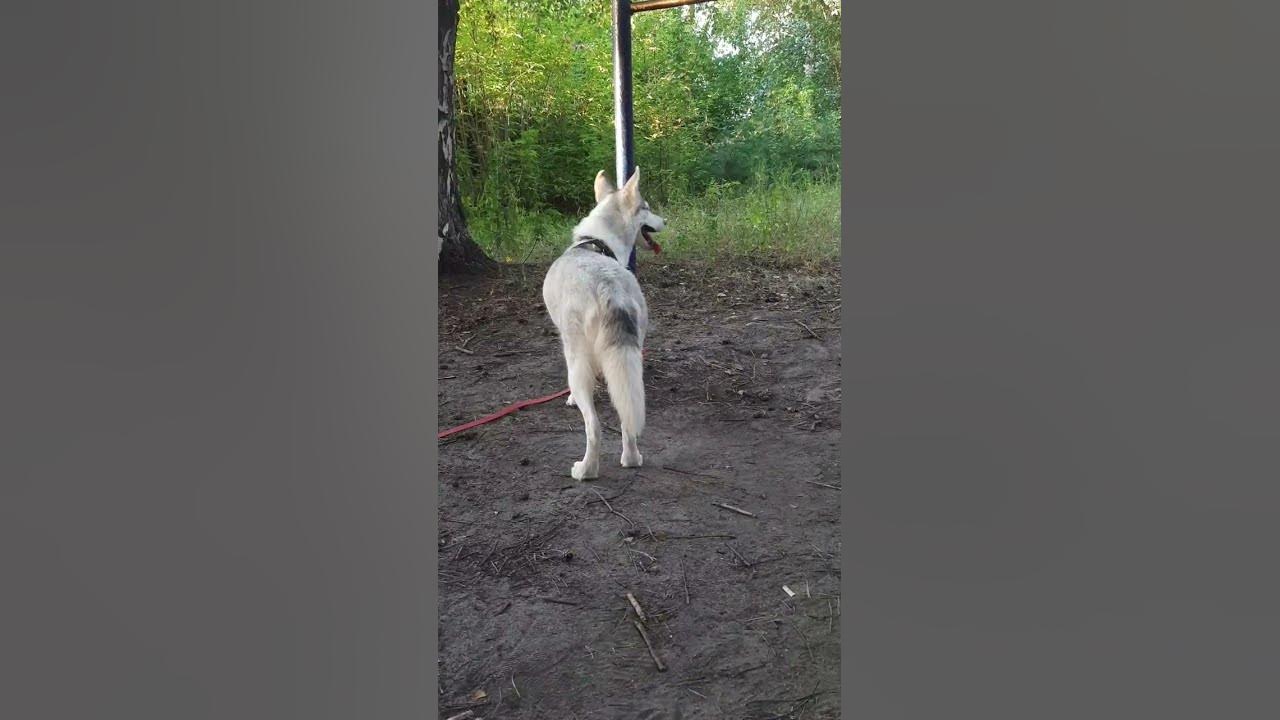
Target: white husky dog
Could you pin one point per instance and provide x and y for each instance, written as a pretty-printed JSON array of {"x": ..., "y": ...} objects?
[{"x": 596, "y": 304}]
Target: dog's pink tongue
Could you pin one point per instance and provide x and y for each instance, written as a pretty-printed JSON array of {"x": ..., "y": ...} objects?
[{"x": 653, "y": 245}]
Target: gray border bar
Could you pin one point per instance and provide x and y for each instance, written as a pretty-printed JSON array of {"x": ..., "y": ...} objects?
[
  {"x": 216, "y": 310},
  {"x": 1061, "y": 400}
]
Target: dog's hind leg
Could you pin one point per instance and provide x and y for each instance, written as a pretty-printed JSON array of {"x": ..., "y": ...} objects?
[
  {"x": 624, "y": 374},
  {"x": 582, "y": 380},
  {"x": 631, "y": 457}
]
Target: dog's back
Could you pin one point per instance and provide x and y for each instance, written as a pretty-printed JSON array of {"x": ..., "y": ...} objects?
[{"x": 595, "y": 300}]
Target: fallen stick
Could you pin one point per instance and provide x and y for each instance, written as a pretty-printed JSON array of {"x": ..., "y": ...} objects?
[
  {"x": 811, "y": 332},
  {"x": 607, "y": 505},
  {"x": 686, "y": 472},
  {"x": 684, "y": 575},
  {"x": 806, "y": 642},
  {"x": 741, "y": 559},
  {"x": 833, "y": 487},
  {"x": 645, "y": 636},
  {"x": 464, "y": 715},
  {"x": 635, "y": 604},
  {"x": 740, "y": 511}
]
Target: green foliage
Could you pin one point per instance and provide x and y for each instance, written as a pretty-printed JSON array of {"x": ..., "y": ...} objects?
[
  {"x": 737, "y": 113},
  {"x": 791, "y": 221}
]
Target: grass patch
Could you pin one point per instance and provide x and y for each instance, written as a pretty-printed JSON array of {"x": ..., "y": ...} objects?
[{"x": 785, "y": 222}]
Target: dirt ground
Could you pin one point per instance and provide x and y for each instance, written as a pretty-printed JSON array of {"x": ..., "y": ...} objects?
[{"x": 742, "y": 375}]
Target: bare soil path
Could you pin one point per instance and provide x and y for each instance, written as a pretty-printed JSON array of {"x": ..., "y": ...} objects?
[{"x": 742, "y": 374}]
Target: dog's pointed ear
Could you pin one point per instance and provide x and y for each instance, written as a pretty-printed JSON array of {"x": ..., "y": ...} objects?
[
  {"x": 603, "y": 186},
  {"x": 633, "y": 184}
]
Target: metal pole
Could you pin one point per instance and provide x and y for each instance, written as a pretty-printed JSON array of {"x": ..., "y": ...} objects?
[{"x": 622, "y": 117}]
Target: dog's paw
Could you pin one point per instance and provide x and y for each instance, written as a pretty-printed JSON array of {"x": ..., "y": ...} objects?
[
  {"x": 581, "y": 471},
  {"x": 570, "y": 402},
  {"x": 633, "y": 460}
]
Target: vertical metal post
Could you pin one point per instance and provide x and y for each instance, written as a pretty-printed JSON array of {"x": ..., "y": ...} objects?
[{"x": 622, "y": 117}]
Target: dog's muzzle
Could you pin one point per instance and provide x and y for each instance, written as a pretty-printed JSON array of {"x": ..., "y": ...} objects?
[{"x": 648, "y": 239}]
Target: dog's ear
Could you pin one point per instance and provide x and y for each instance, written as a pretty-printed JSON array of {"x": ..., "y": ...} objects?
[
  {"x": 603, "y": 186},
  {"x": 632, "y": 188}
]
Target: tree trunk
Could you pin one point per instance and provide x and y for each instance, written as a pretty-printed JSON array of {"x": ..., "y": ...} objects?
[{"x": 458, "y": 252}]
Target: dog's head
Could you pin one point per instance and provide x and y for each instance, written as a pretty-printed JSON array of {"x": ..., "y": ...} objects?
[{"x": 640, "y": 217}]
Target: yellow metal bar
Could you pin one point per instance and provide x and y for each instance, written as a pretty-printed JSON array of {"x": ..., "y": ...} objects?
[{"x": 662, "y": 4}]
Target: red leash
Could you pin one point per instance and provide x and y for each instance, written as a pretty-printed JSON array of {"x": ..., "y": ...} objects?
[
  {"x": 505, "y": 412},
  {"x": 501, "y": 413}
]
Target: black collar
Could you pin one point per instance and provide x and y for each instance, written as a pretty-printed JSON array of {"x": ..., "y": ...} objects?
[{"x": 597, "y": 243}]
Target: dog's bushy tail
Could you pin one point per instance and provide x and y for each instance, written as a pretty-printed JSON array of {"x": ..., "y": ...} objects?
[{"x": 623, "y": 368}]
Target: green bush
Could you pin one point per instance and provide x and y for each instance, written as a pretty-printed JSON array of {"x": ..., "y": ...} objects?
[{"x": 737, "y": 120}]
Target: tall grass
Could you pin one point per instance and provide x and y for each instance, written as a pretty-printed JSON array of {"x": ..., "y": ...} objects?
[{"x": 787, "y": 220}]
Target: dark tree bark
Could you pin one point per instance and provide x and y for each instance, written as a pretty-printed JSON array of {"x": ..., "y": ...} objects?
[{"x": 458, "y": 252}]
